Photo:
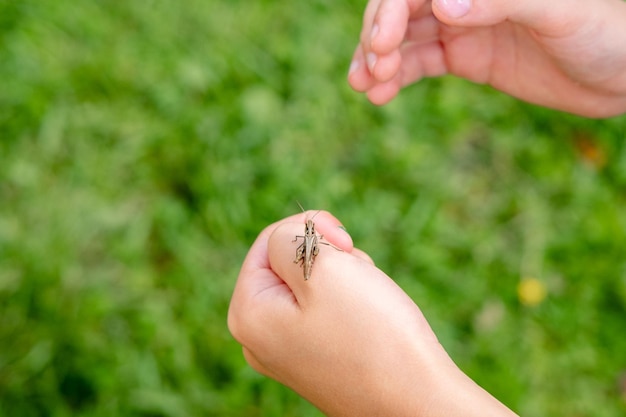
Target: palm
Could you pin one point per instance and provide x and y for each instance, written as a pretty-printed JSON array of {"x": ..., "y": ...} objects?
[{"x": 513, "y": 60}]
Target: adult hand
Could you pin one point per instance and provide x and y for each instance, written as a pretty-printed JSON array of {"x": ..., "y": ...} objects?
[
  {"x": 564, "y": 54},
  {"x": 348, "y": 339}
]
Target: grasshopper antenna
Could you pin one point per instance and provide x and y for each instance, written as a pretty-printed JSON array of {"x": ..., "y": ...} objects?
[{"x": 304, "y": 211}]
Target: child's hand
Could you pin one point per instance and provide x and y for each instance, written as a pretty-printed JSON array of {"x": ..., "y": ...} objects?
[
  {"x": 564, "y": 54},
  {"x": 348, "y": 339}
]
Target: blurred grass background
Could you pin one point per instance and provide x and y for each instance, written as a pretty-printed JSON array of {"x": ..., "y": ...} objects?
[{"x": 145, "y": 144}]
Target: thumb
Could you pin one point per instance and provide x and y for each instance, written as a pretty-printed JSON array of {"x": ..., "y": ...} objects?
[{"x": 536, "y": 14}]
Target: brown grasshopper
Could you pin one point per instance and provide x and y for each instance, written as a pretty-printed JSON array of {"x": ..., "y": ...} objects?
[{"x": 309, "y": 248}]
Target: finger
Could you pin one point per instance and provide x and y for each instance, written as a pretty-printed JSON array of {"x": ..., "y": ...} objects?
[
  {"x": 256, "y": 275},
  {"x": 359, "y": 76},
  {"x": 423, "y": 30},
  {"x": 362, "y": 255},
  {"x": 389, "y": 26},
  {"x": 258, "y": 286},
  {"x": 387, "y": 66},
  {"x": 330, "y": 227},
  {"x": 368, "y": 58},
  {"x": 257, "y": 257},
  {"x": 383, "y": 93},
  {"x": 559, "y": 17},
  {"x": 418, "y": 61},
  {"x": 282, "y": 255},
  {"x": 338, "y": 279},
  {"x": 384, "y": 66},
  {"x": 384, "y": 27},
  {"x": 368, "y": 22},
  {"x": 390, "y": 23},
  {"x": 254, "y": 292},
  {"x": 422, "y": 60}
]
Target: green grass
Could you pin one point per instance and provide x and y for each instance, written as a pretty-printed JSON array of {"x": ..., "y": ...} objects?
[{"x": 145, "y": 144}]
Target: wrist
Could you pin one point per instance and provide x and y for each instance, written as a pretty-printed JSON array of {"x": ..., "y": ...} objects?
[
  {"x": 427, "y": 383},
  {"x": 453, "y": 393}
]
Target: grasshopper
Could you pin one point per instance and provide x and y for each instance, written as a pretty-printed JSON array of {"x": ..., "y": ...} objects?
[{"x": 309, "y": 248}]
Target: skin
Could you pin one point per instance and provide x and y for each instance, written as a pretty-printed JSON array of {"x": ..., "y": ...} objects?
[
  {"x": 566, "y": 54},
  {"x": 348, "y": 339}
]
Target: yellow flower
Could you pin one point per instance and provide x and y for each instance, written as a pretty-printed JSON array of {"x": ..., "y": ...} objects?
[{"x": 531, "y": 291}]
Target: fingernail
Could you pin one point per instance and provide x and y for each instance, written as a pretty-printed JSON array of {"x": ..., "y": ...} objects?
[
  {"x": 374, "y": 32},
  {"x": 354, "y": 65},
  {"x": 454, "y": 8},
  {"x": 371, "y": 60}
]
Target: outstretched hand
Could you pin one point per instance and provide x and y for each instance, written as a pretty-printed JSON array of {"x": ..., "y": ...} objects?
[
  {"x": 567, "y": 55},
  {"x": 348, "y": 339}
]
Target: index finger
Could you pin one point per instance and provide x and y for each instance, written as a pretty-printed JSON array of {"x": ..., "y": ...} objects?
[
  {"x": 387, "y": 26},
  {"x": 258, "y": 259},
  {"x": 259, "y": 292}
]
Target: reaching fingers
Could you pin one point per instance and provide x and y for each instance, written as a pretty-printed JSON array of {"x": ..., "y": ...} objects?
[
  {"x": 417, "y": 60},
  {"x": 378, "y": 66},
  {"x": 385, "y": 23},
  {"x": 388, "y": 27},
  {"x": 385, "y": 32}
]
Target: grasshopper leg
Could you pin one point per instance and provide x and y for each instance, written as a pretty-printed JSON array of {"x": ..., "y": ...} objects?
[{"x": 299, "y": 254}]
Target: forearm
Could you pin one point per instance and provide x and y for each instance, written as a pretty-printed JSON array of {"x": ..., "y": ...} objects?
[
  {"x": 458, "y": 395},
  {"x": 418, "y": 384},
  {"x": 452, "y": 393}
]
